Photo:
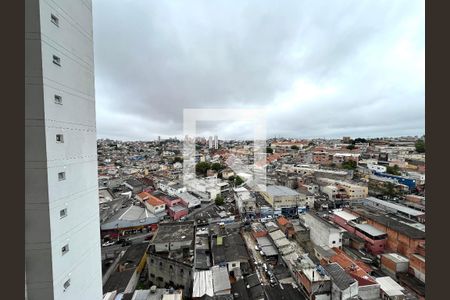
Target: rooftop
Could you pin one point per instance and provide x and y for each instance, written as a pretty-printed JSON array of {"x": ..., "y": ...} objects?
[
  {"x": 344, "y": 215},
  {"x": 397, "y": 207},
  {"x": 278, "y": 190},
  {"x": 339, "y": 276},
  {"x": 390, "y": 286},
  {"x": 369, "y": 229},
  {"x": 169, "y": 232},
  {"x": 389, "y": 222}
]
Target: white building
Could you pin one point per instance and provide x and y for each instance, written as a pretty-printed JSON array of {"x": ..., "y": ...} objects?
[
  {"x": 216, "y": 142},
  {"x": 377, "y": 168},
  {"x": 210, "y": 142},
  {"x": 62, "y": 241},
  {"x": 322, "y": 233},
  {"x": 171, "y": 188}
]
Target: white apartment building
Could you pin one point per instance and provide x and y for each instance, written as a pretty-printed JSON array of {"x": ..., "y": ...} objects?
[{"x": 62, "y": 240}]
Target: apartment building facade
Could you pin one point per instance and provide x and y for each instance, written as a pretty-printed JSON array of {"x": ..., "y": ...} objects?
[{"x": 62, "y": 238}]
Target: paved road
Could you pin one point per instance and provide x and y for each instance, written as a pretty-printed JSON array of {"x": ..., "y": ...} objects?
[
  {"x": 115, "y": 249},
  {"x": 192, "y": 215},
  {"x": 251, "y": 243}
]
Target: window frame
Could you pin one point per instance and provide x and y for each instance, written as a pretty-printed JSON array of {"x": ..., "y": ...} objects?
[
  {"x": 65, "y": 213},
  {"x": 58, "y": 99},
  {"x": 63, "y": 173},
  {"x": 60, "y": 138},
  {"x": 57, "y": 60},
  {"x": 54, "y": 19},
  {"x": 66, "y": 246}
]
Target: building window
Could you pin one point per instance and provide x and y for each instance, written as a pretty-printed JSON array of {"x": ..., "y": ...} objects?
[
  {"x": 334, "y": 242},
  {"x": 58, "y": 99},
  {"x": 171, "y": 267},
  {"x": 55, "y": 20},
  {"x": 61, "y": 176},
  {"x": 66, "y": 284},
  {"x": 63, "y": 213},
  {"x": 152, "y": 275},
  {"x": 65, "y": 249},
  {"x": 152, "y": 260},
  {"x": 60, "y": 138},
  {"x": 56, "y": 60}
]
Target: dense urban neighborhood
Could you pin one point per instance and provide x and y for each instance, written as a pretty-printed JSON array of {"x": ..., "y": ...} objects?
[{"x": 337, "y": 219}]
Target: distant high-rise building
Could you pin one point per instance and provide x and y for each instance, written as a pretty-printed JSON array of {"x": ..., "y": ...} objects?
[
  {"x": 346, "y": 139},
  {"x": 210, "y": 142},
  {"x": 216, "y": 142},
  {"x": 62, "y": 238},
  {"x": 159, "y": 139}
]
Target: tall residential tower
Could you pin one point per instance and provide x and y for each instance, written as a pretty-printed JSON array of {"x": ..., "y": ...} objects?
[{"x": 62, "y": 238}]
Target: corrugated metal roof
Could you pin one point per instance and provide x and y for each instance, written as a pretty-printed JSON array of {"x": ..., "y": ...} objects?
[{"x": 203, "y": 284}]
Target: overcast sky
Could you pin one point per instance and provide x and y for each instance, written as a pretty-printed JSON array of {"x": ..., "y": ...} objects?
[{"x": 319, "y": 68}]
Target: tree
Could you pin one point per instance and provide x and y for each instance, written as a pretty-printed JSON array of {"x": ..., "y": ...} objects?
[
  {"x": 238, "y": 180},
  {"x": 269, "y": 150},
  {"x": 178, "y": 159},
  {"x": 231, "y": 178},
  {"x": 395, "y": 170},
  {"x": 349, "y": 165},
  {"x": 351, "y": 147},
  {"x": 294, "y": 147},
  {"x": 420, "y": 146},
  {"x": 219, "y": 200},
  {"x": 202, "y": 167},
  {"x": 216, "y": 167}
]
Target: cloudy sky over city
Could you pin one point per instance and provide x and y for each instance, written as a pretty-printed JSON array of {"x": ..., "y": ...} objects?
[{"x": 318, "y": 68}]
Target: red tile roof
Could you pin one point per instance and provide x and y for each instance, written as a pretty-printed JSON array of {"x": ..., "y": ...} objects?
[
  {"x": 282, "y": 221},
  {"x": 154, "y": 201}
]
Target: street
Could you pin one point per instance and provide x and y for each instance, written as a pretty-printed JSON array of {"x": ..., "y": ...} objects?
[
  {"x": 251, "y": 243},
  {"x": 114, "y": 250}
]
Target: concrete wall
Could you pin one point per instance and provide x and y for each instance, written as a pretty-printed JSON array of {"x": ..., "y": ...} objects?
[
  {"x": 180, "y": 274},
  {"x": 321, "y": 233},
  {"x": 369, "y": 292},
  {"x": 46, "y": 232}
]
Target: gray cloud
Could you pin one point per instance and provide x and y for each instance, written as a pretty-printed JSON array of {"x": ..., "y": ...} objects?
[{"x": 320, "y": 68}]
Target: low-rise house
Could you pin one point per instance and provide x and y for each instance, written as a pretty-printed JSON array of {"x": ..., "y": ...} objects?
[
  {"x": 176, "y": 212},
  {"x": 402, "y": 237},
  {"x": 375, "y": 239},
  {"x": 171, "y": 256},
  {"x": 245, "y": 202},
  {"x": 344, "y": 287},
  {"x": 189, "y": 200},
  {"x": 134, "y": 185},
  {"x": 322, "y": 232},
  {"x": 390, "y": 289},
  {"x": 229, "y": 250},
  {"x": 368, "y": 288},
  {"x": 153, "y": 204}
]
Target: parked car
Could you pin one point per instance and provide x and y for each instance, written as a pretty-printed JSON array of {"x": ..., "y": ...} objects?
[
  {"x": 125, "y": 242},
  {"x": 108, "y": 243},
  {"x": 149, "y": 237}
]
